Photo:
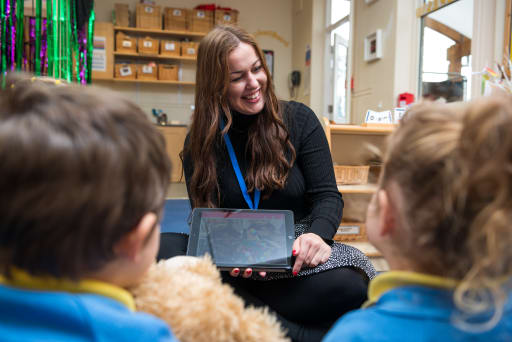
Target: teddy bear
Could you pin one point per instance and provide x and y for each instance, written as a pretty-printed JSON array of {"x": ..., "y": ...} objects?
[{"x": 187, "y": 293}]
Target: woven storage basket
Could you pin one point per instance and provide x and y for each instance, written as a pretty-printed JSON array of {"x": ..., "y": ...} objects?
[{"x": 351, "y": 174}]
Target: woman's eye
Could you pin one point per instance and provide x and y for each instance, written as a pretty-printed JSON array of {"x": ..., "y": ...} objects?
[
  {"x": 258, "y": 68},
  {"x": 236, "y": 79}
]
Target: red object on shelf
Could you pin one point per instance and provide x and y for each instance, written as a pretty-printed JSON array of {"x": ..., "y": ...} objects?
[
  {"x": 206, "y": 7},
  {"x": 405, "y": 99}
]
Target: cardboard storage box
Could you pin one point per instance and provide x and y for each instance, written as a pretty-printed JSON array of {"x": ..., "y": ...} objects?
[
  {"x": 125, "y": 43},
  {"x": 148, "y": 46},
  {"x": 351, "y": 231},
  {"x": 122, "y": 15},
  {"x": 170, "y": 48},
  {"x": 125, "y": 70},
  {"x": 189, "y": 49},
  {"x": 200, "y": 20},
  {"x": 147, "y": 71},
  {"x": 223, "y": 17},
  {"x": 167, "y": 72},
  {"x": 148, "y": 17},
  {"x": 175, "y": 19}
]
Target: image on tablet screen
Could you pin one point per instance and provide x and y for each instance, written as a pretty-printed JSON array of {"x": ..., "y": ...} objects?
[{"x": 243, "y": 238}]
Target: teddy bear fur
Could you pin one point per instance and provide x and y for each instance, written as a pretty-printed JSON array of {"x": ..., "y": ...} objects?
[{"x": 187, "y": 293}]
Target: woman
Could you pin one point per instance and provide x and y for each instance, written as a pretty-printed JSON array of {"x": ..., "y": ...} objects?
[{"x": 284, "y": 159}]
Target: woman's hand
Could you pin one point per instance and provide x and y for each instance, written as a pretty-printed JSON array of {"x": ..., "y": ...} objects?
[
  {"x": 310, "y": 250},
  {"x": 247, "y": 273}
]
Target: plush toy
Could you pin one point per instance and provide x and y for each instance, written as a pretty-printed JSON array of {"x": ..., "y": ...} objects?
[{"x": 188, "y": 294}]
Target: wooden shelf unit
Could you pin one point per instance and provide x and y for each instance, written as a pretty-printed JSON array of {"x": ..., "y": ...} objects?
[
  {"x": 182, "y": 83},
  {"x": 170, "y": 33},
  {"x": 155, "y": 33},
  {"x": 141, "y": 55},
  {"x": 348, "y": 144},
  {"x": 357, "y": 189}
]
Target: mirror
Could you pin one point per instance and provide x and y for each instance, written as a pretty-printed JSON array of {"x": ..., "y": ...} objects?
[{"x": 445, "y": 55}]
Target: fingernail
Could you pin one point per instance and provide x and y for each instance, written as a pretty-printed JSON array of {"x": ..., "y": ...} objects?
[
  {"x": 295, "y": 273},
  {"x": 236, "y": 271},
  {"x": 294, "y": 252},
  {"x": 249, "y": 272}
]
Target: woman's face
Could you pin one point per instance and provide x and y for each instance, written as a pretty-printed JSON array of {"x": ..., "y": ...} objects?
[{"x": 248, "y": 80}]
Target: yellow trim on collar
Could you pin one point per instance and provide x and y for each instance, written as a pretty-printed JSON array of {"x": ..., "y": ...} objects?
[
  {"x": 392, "y": 279},
  {"x": 22, "y": 279}
]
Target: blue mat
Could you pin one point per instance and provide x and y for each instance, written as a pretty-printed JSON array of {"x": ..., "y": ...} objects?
[{"x": 176, "y": 212}]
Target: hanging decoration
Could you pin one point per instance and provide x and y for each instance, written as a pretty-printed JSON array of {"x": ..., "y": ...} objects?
[{"x": 59, "y": 45}]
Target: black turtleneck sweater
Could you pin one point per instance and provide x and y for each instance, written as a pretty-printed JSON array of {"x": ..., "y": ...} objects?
[{"x": 311, "y": 186}]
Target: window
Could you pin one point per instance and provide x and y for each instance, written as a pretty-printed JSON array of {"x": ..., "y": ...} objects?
[
  {"x": 445, "y": 70},
  {"x": 337, "y": 54}
]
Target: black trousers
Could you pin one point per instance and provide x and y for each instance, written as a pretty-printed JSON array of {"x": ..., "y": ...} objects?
[{"x": 306, "y": 306}]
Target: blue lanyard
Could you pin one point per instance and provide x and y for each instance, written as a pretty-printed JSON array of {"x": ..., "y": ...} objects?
[{"x": 238, "y": 173}]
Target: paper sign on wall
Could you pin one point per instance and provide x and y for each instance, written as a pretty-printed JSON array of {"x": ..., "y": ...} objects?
[{"x": 384, "y": 117}]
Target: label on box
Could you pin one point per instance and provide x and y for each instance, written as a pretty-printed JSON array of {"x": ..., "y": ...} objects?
[
  {"x": 200, "y": 14},
  {"x": 348, "y": 230},
  {"x": 147, "y": 69},
  {"x": 147, "y": 43},
  {"x": 148, "y": 9},
  {"x": 176, "y": 13},
  {"x": 125, "y": 71},
  {"x": 127, "y": 43},
  {"x": 191, "y": 51},
  {"x": 227, "y": 17},
  {"x": 170, "y": 47}
]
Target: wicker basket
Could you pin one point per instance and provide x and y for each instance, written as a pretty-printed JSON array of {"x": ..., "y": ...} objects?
[{"x": 351, "y": 174}]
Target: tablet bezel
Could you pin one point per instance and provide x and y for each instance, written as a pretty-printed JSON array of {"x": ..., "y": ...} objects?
[{"x": 289, "y": 238}]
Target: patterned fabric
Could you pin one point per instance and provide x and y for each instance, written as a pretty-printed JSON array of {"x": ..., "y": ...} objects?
[{"x": 341, "y": 256}]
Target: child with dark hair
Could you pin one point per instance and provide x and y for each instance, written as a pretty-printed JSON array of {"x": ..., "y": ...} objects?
[
  {"x": 441, "y": 217},
  {"x": 83, "y": 176}
]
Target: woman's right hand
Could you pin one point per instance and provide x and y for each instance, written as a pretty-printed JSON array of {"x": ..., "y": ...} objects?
[{"x": 247, "y": 273}]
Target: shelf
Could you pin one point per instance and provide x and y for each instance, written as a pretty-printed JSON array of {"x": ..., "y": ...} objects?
[
  {"x": 161, "y": 32},
  {"x": 358, "y": 189},
  {"x": 365, "y": 247},
  {"x": 357, "y": 129},
  {"x": 184, "y": 83},
  {"x": 139, "y": 55}
]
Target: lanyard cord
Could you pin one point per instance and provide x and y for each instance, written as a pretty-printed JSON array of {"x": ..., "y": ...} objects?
[{"x": 238, "y": 173}]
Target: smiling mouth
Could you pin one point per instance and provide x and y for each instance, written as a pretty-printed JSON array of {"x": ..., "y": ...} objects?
[{"x": 253, "y": 97}]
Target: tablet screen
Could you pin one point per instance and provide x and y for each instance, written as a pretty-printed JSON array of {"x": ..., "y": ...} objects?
[{"x": 261, "y": 239}]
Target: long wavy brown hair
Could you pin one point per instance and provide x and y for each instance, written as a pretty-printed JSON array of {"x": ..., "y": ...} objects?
[
  {"x": 270, "y": 150},
  {"x": 453, "y": 165}
]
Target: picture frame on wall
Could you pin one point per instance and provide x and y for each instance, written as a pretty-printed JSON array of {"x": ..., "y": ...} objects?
[
  {"x": 373, "y": 46},
  {"x": 269, "y": 59}
]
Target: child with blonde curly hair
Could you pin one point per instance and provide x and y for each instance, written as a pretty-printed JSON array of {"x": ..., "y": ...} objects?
[{"x": 442, "y": 218}]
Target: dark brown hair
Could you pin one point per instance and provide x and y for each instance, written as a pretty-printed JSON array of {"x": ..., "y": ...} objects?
[
  {"x": 270, "y": 150},
  {"x": 453, "y": 166},
  {"x": 79, "y": 169}
]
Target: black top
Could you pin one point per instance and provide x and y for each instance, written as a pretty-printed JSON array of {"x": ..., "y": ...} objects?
[{"x": 311, "y": 186}]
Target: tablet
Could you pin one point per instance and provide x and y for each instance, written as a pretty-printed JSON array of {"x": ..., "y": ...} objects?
[{"x": 260, "y": 239}]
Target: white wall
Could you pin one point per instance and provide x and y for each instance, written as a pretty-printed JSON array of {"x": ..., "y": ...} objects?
[
  {"x": 265, "y": 16},
  {"x": 373, "y": 81},
  {"x": 309, "y": 31}
]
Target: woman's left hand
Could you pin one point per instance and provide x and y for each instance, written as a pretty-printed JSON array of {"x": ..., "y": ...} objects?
[{"x": 310, "y": 250}]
